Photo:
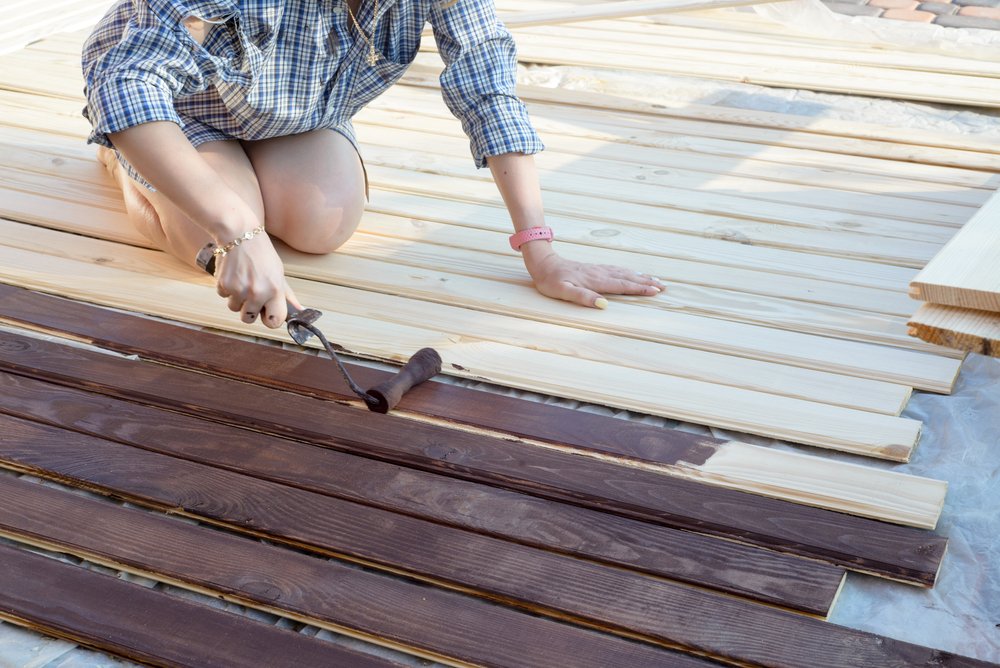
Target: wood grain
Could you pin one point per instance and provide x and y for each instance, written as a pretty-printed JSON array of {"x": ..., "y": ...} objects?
[
  {"x": 862, "y": 491},
  {"x": 716, "y": 625},
  {"x": 423, "y": 620},
  {"x": 964, "y": 272},
  {"x": 961, "y": 328},
  {"x": 142, "y": 625},
  {"x": 894, "y": 551},
  {"x": 762, "y": 575}
]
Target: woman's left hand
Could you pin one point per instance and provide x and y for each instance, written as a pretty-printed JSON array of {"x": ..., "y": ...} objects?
[{"x": 583, "y": 283}]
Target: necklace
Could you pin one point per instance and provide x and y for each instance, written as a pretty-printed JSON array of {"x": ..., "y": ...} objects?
[{"x": 372, "y": 53}]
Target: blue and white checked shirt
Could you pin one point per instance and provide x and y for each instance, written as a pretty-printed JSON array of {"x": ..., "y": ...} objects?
[{"x": 269, "y": 68}]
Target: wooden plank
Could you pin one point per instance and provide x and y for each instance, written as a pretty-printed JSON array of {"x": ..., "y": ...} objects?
[
  {"x": 763, "y": 127},
  {"x": 663, "y": 150},
  {"x": 952, "y": 148},
  {"x": 646, "y": 359},
  {"x": 874, "y": 434},
  {"x": 133, "y": 622},
  {"x": 741, "y": 632},
  {"x": 964, "y": 329},
  {"x": 27, "y": 153},
  {"x": 899, "y": 552},
  {"x": 836, "y": 78},
  {"x": 849, "y": 488},
  {"x": 613, "y": 10},
  {"x": 25, "y": 192},
  {"x": 740, "y": 570},
  {"x": 964, "y": 273},
  {"x": 437, "y": 624},
  {"x": 632, "y": 169}
]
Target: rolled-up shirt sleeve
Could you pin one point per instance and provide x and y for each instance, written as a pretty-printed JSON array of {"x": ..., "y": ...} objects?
[
  {"x": 480, "y": 79},
  {"x": 134, "y": 68}
]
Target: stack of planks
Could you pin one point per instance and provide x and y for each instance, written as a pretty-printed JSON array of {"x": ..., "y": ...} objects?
[
  {"x": 786, "y": 247},
  {"x": 961, "y": 286},
  {"x": 465, "y": 537},
  {"x": 744, "y": 47}
]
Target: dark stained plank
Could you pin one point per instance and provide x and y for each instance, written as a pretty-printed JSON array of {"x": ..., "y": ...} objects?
[
  {"x": 131, "y": 621},
  {"x": 431, "y": 618},
  {"x": 894, "y": 551},
  {"x": 716, "y": 625},
  {"x": 314, "y": 376},
  {"x": 805, "y": 585}
]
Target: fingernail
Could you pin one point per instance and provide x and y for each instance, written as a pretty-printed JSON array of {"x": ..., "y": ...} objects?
[{"x": 601, "y": 303}]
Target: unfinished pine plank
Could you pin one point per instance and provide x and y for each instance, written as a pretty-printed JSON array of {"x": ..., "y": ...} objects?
[
  {"x": 964, "y": 273},
  {"x": 107, "y": 261},
  {"x": 737, "y": 35},
  {"x": 849, "y": 488},
  {"x": 490, "y": 238},
  {"x": 568, "y": 193},
  {"x": 750, "y": 635},
  {"x": 131, "y": 621},
  {"x": 437, "y": 624},
  {"x": 838, "y": 78},
  {"x": 899, "y": 552},
  {"x": 26, "y": 189},
  {"x": 827, "y": 426},
  {"x": 682, "y": 556},
  {"x": 846, "y": 137},
  {"x": 842, "y": 322},
  {"x": 646, "y": 357},
  {"x": 964, "y": 329},
  {"x": 673, "y": 149},
  {"x": 552, "y": 163},
  {"x": 613, "y": 10},
  {"x": 762, "y": 127},
  {"x": 837, "y": 242},
  {"x": 662, "y": 149}
]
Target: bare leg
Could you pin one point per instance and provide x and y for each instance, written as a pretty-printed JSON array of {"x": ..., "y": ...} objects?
[
  {"x": 162, "y": 222},
  {"x": 313, "y": 187}
]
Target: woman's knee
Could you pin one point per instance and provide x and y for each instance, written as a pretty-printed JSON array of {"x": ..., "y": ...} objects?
[{"x": 320, "y": 223}]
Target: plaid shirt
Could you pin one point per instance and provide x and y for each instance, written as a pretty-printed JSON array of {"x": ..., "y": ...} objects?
[{"x": 269, "y": 68}]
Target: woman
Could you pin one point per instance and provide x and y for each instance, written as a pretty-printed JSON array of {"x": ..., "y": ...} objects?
[{"x": 223, "y": 115}]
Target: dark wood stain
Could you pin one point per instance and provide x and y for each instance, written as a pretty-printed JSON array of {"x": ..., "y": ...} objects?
[
  {"x": 723, "y": 627},
  {"x": 497, "y": 570},
  {"x": 899, "y": 552},
  {"x": 806, "y": 585},
  {"x": 314, "y": 376},
  {"x": 131, "y": 621}
]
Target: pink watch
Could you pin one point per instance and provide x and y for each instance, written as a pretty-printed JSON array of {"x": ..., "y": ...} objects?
[{"x": 531, "y": 234}]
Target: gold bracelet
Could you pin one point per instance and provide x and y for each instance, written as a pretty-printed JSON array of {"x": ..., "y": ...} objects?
[{"x": 221, "y": 251}]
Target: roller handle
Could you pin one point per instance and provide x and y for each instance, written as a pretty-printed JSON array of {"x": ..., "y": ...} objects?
[{"x": 424, "y": 365}]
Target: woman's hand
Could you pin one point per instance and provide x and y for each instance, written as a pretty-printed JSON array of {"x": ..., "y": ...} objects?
[
  {"x": 252, "y": 277},
  {"x": 582, "y": 283}
]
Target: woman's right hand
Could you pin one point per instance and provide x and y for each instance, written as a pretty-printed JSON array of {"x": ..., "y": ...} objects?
[{"x": 252, "y": 277}]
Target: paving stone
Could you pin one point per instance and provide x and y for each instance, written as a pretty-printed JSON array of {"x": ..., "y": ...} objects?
[
  {"x": 854, "y": 10},
  {"x": 977, "y": 3},
  {"x": 909, "y": 15},
  {"x": 844, "y": 2},
  {"x": 894, "y": 4},
  {"x": 955, "y": 21},
  {"x": 981, "y": 12},
  {"x": 938, "y": 8}
]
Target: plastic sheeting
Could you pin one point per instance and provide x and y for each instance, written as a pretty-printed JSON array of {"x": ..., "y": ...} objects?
[{"x": 812, "y": 17}]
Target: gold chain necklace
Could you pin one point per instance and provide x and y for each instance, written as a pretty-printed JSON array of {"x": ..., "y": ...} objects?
[{"x": 372, "y": 53}]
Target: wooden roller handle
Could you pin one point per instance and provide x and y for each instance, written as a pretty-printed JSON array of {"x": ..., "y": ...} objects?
[{"x": 425, "y": 364}]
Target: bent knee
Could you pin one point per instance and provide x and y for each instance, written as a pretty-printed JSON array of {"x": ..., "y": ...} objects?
[{"x": 318, "y": 229}]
